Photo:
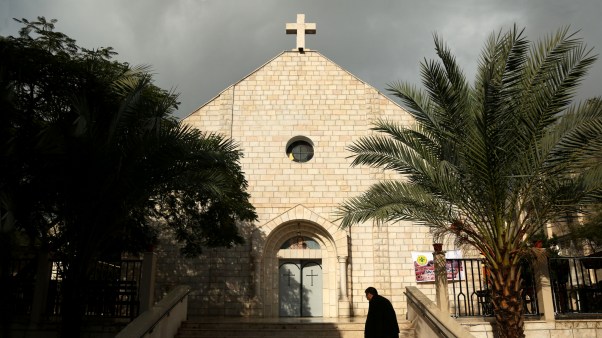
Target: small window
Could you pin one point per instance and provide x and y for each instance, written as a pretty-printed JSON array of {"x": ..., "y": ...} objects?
[
  {"x": 300, "y": 242},
  {"x": 300, "y": 150}
]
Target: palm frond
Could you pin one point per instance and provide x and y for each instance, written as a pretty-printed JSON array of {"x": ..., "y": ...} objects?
[
  {"x": 576, "y": 137},
  {"x": 383, "y": 152},
  {"x": 392, "y": 201},
  {"x": 557, "y": 66},
  {"x": 417, "y": 103}
]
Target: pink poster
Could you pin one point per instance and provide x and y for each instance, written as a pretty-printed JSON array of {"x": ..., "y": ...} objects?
[{"x": 425, "y": 268}]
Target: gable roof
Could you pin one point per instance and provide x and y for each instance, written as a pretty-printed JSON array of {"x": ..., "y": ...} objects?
[{"x": 275, "y": 58}]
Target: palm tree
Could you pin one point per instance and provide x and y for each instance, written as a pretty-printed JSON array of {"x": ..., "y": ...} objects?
[{"x": 489, "y": 164}]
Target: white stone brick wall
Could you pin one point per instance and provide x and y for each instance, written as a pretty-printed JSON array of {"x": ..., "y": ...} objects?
[{"x": 306, "y": 94}]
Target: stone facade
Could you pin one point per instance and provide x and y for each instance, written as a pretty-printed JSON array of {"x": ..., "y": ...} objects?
[{"x": 299, "y": 95}]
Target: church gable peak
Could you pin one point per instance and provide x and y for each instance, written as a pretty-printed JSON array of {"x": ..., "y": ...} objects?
[{"x": 299, "y": 67}]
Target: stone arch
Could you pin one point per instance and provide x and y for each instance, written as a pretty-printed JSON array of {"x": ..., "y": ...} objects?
[{"x": 333, "y": 252}]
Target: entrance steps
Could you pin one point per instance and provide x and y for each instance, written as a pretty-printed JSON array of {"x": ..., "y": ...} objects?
[{"x": 279, "y": 327}]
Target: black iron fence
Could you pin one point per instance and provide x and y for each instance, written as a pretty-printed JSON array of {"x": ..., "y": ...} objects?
[
  {"x": 576, "y": 284},
  {"x": 19, "y": 284},
  {"x": 470, "y": 292},
  {"x": 112, "y": 290}
]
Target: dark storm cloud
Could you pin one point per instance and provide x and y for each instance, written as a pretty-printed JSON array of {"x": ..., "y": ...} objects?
[{"x": 200, "y": 47}]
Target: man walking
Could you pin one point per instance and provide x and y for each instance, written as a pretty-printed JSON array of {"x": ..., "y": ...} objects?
[{"x": 382, "y": 320}]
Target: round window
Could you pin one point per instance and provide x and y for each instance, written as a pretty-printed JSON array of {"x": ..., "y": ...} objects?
[{"x": 300, "y": 151}]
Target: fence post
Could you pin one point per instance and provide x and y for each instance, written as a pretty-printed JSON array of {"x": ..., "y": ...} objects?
[
  {"x": 545, "y": 302},
  {"x": 147, "y": 281},
  {"x": 441, "y": 291}
]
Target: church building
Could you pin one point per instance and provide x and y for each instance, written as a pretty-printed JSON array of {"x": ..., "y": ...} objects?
[{"x": 293, "y": 118}]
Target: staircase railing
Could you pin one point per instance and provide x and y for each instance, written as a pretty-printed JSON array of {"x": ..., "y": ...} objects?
[
  {"x": 163, "y": 319},
  {"x": 429, "y": 320}
]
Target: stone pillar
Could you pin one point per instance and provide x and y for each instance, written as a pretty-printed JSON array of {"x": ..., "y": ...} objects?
[
  {"x": 441, "y": 291},
  {"x": 147, "y": 281},
  {"x": 545, "y": 302},
  {"x": 40, "y": 292},
  {"x": 343, "y": 279},
  {"x": 344, "y": 304}
]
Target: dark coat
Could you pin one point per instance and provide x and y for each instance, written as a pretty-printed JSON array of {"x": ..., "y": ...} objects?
[{"x": 382, "y": 320}]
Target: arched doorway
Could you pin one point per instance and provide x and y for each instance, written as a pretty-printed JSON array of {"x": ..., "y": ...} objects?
[{"x": 293, "y": 245}]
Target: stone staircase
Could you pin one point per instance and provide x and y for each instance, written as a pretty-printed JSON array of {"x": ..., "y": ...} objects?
[{"x": 300, "y": 328}]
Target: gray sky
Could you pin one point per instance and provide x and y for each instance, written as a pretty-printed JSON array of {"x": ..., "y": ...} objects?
[{"x": 199, "y": 47}]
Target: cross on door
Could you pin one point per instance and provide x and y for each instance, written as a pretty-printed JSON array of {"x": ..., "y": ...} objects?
[
  {"x": 289, "y": 274},
  {"x": 312, "y": 276}
]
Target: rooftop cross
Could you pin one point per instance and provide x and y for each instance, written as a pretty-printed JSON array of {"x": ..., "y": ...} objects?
[{"x": 300, "y": 28}]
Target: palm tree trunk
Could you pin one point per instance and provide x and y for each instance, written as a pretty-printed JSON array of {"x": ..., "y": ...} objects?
[{"x": 507, "y": 301}]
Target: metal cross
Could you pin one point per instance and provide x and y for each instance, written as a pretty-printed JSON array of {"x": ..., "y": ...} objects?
[
  {"x": 312, "y": 276},
  {"x": 289, "y": 275},
  {"x": 300, "y": 28}
]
